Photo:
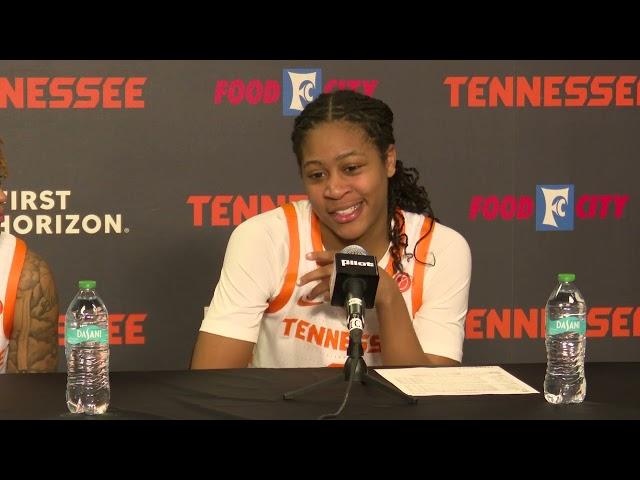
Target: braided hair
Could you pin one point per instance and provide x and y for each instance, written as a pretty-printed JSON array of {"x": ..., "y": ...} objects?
[{"x": 376, "y": 119}]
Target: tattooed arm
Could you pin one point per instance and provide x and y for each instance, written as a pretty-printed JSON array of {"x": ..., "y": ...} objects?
[{"x": 34, "y": 341}]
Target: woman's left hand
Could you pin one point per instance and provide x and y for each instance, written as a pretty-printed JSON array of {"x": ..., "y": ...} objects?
[{"x": 325, "y": 261}]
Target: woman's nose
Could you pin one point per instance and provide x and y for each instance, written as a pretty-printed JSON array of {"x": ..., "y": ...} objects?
[{"x": 336, "y": 187}]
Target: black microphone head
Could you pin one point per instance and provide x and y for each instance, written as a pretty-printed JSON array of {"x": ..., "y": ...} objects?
[{"x": 353, "y": 262}]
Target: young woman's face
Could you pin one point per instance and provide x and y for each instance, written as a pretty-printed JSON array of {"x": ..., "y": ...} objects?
[{"x": 346, "y": 181}]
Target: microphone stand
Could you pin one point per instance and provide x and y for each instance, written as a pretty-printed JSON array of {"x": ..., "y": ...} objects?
[{"x": 355, "y": 368}]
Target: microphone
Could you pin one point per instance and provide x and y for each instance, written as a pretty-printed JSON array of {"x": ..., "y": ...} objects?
[{"x": 354, "y": 283}]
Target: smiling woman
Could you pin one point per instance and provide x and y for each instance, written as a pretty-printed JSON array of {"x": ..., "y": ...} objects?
[{"x": 270, "y": 307}]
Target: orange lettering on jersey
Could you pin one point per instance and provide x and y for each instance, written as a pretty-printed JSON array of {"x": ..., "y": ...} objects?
[{"x": 334, "y": 339}]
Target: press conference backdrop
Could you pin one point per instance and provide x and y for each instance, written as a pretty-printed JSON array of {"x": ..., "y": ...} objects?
[{"x": 134, "y": 173}]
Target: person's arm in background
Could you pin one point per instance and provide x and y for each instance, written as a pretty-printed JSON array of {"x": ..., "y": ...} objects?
[{"x": 34, "y": 340}]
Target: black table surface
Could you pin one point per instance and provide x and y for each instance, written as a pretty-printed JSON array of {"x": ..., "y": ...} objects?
[{"x": 613, "y": 393}]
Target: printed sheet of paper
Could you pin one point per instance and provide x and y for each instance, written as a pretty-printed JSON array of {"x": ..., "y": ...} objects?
[{"x": 423, "y": 381}]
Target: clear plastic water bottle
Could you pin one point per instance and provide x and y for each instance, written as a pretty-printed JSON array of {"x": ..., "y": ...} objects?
[
  {"x": 86, "y": 335},
  {"x": 566, "y": 326}
]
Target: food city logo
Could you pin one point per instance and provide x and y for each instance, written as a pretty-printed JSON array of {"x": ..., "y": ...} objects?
[
  {"x": 301, "y": 86},
  {"x": 226, "y": 210},
  {"x": 298, "y": 87},
  {"x": 37, "y": 212},
  {"x": 552, "y": 212},
  {"x": 540, "y": 91},
  {"x": 124, "y": 329},
  {"x": 555, "y": 208},
  {"x": 72, "y": 92}
]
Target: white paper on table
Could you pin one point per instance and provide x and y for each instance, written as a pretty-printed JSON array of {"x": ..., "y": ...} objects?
[{"x": 423, "y": 381}]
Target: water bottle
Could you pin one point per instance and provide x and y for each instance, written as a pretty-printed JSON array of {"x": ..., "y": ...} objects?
[
  {"x": 86, "y": 335},
  {"x": 566, "y": 326}
]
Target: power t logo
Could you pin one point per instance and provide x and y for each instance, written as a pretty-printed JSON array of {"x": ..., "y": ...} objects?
[
  {"x": 554, "y": 207},
  {"x": 300, "y": 87}
]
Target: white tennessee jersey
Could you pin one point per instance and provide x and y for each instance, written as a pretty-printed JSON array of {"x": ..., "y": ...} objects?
[{"x": 258, "y": 300}]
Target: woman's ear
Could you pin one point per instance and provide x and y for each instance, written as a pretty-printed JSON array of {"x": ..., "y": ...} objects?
[{"x": 390, "y": 161}]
